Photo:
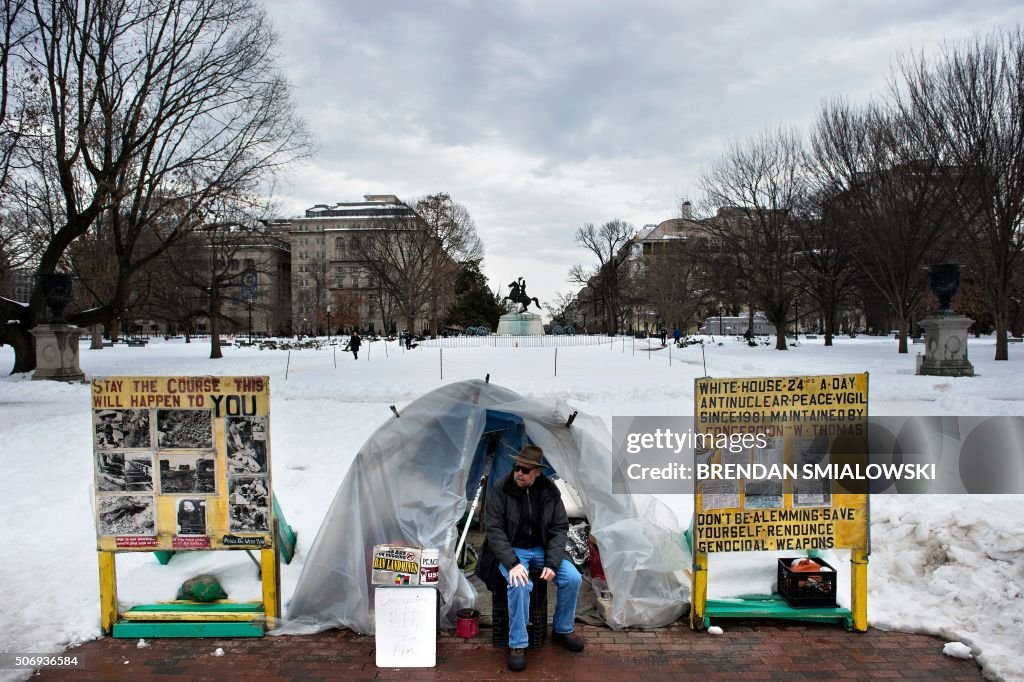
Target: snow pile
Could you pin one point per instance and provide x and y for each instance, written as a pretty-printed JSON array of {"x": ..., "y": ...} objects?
[{"x": 957, "y": 650}]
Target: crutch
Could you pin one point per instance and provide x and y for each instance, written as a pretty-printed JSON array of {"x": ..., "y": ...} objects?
[{"x": 492, "y": 445}]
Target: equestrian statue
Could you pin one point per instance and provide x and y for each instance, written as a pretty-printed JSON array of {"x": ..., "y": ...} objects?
[{"x": 519, "y": 295}]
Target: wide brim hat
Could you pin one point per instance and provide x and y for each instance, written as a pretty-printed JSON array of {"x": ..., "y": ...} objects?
[{"x": 530, "y": 457}]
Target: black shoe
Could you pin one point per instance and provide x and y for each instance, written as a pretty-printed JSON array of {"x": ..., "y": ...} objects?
[
  {"x": 570, "y": 640},
  {"x": 517, "y": 659}
]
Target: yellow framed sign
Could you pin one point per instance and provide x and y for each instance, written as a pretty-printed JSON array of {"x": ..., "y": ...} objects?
[
  {"x": 182, "y": 463},
  {"x": 766, "y": 480}
]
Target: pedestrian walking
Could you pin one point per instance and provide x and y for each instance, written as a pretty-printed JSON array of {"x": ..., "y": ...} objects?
[{"x": 354, "y": 343}]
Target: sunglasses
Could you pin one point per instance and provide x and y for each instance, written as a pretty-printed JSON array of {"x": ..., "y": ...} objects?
[{"x": 523, "y": 470}]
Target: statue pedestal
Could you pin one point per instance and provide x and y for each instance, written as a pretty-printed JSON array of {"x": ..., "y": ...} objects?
[
  {"x": 520, "y": 324},
  {"x": 57, "y": 352},
  {"x": 946, "y": 347}
]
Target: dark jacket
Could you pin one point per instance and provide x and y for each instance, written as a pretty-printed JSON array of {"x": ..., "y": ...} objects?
[
  {"x": 354, "y": 342},
  {"x": 504, "y": 510}
]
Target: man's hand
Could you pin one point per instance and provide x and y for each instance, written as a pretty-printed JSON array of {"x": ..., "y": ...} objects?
[
  {"x": 518, "y": 576},
  {"x": 547, "y": 574}
]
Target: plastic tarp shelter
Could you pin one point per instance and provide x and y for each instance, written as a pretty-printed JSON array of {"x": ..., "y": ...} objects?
[{"x": 414, "y": 479}]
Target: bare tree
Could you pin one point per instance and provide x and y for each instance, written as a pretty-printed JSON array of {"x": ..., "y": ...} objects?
[
  {"x": 150, "y": 110},
  {"x": 759, "y": 185},
  {"x": 608, "y": 278},
  {"x": 414, "y": 260},
  {"x": 455, "y": 242},
  {"x": 399, "y": 255},
  {"x": 560, "y": 308},
  {"x": 316, "y": 297},
  {"x": 674, "y": 280},
  {"x": 971, "y": 99},
  {"x": 346, "y": 308},
  {"x": 826, "y": 263},
  {"x": 14, "y": 31},
  {"x": 894, "y": 193}
]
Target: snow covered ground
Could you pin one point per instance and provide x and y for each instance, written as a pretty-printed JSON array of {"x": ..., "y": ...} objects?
[{"x": 952, "y": 566}]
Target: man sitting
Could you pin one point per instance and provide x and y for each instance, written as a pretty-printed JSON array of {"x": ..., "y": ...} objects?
[{"x": 526, "y": 528}]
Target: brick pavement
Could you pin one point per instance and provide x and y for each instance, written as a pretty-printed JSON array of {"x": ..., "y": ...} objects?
[{"x": 754, "y": 650}]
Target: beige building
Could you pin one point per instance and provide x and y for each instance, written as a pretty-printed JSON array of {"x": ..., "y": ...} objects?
[{"x": 330, "y": 284}]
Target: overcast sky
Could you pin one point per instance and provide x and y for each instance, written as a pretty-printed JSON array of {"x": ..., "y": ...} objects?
[{"x": 542, "y": 116}]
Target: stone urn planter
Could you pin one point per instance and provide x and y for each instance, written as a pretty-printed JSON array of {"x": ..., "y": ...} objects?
[
  {"x": 944, "y": 280},
  {"x": 56, "y": 288}
]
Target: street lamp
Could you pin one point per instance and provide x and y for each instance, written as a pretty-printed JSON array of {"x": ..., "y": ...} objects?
[
  {"x": 328, "y": 324},
  {"x": 305, "y": 326},
  {"x": 721, "y": 331}
]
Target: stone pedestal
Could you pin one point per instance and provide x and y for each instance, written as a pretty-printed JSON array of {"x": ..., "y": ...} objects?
[
  {"x": 57, "y": 352},
  {"x": 946, "y": 347},
  {"x": 520, "y": 324}
]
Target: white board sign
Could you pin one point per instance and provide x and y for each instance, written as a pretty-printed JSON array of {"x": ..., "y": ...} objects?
[{"x": 406, "y": 625}]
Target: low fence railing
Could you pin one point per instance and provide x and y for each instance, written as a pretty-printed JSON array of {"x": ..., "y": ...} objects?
[{"x": 517, "y": 341}]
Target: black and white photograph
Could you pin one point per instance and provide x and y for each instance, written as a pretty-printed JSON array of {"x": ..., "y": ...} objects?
[
  {"x": 184, "y": 429},
  {"x": 120, "y": 472},
  {"x": 121, "y": 429},
  {"x": 192, "y": 517},
  {"x": 248, "y": 490},
  {"x": 188, "y": 473},
  {"x": 110, "y": 472},
  {"x": 126, "y": 514},
  {"x": 248, "y": 518},
  {"x": 138, "y": 473},
  {"x": 246, "y": 442}
]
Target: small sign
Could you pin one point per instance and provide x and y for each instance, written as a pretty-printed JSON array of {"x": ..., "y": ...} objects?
[
  {"x": 396, "y": 565},
  {"x": 243, "y": 541},
  {"x": 135, "y": 541},
  {"x": 190, "y": 542},
  {"x": 406, "y": 626}
]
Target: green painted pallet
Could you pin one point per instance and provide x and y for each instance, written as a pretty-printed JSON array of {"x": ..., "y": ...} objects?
[
  {"x": 773, "y": 606},
  {"x": 153, "y": 630}
]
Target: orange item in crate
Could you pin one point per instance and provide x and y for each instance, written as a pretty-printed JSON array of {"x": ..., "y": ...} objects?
[{"x": 802, "y": 565}]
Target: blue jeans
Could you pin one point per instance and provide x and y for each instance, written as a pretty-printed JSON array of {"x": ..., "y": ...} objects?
[{"x": 567, "y": 579}]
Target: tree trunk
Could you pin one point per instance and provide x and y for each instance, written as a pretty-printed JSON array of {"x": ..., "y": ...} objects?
[
  {"x": 780, "y": 339},
  {"x": 1002, "y": 346},
  {"x": 215, "y": 352},
  {"x": 23, "y": 344},
  {"x": 97, "y": 337},
  {"x": 115, "y": 329},
  {"x": 903, "y": 336},
  {"x": 830, "y": 326}
]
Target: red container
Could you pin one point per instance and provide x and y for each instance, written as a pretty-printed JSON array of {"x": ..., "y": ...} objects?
[{"x": 467, "y": 623}]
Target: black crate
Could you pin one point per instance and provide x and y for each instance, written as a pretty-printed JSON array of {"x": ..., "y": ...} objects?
[
  {"x": 803, "y": 589},
  {"x": 536, "y": 626}
]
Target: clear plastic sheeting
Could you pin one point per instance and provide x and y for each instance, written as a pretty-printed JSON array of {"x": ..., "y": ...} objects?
[{"x": 413, "y": 481}]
